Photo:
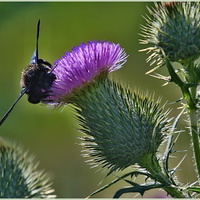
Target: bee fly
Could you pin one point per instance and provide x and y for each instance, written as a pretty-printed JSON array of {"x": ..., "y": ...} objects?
[{"x": 36, "y": 79}]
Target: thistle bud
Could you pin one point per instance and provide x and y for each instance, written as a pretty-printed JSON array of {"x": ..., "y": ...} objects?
[
  {"x": 122, "y": 128},
  {"x": 19, "y": 177},
  {"x": 173, "y": 31}
]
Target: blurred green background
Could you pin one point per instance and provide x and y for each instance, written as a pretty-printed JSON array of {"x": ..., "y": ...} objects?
[{"x": 51, "y": 134}]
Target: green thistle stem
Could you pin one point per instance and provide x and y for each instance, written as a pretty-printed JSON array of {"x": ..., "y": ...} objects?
[
  {"x": 193, "y": 117},
  {"x": 151, "y": 164},
  {"x": 184, "y": 88},
  {"x": 190, "y": 97},
  {"x": 195, "y": 137}
]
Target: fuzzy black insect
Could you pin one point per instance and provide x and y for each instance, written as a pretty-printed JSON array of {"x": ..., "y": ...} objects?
[{"x": 36, "y": 79}]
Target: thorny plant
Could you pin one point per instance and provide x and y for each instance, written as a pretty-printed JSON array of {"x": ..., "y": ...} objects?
[{"x": 122, "y": 127}]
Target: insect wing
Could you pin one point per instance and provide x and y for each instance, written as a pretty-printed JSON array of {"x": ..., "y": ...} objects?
[{"x": 34, "y": 58}]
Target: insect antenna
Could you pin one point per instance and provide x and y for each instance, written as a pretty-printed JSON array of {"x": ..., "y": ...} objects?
[
  {"x": 34, "y": 59},
  {"x": 11, "y": 108},
  {"x": 37, "y": 39}
]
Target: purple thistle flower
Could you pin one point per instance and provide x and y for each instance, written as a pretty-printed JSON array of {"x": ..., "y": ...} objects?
[{"x": 82, "y": 65}]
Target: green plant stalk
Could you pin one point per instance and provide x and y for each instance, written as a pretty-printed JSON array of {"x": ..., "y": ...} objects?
[
  {"x": 155, "y": 170},
  {"x": 193, "y": 111},
  {"x": 195, "y": 137},
  {"x": 184, "y": 87},
  {"x": 193, "y": 117},
  {"x": 190, "y": 97}
]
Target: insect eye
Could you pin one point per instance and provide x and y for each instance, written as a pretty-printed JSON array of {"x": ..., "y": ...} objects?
[{"x": 33, "y": 100}]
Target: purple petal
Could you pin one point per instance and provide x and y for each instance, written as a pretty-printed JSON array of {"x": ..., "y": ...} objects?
[{"x": 83, "y": 64}]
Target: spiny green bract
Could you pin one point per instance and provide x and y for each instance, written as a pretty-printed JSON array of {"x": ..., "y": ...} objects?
[
  {"x": 122, "y": 127},
  {"x": 19, "y": 177},
  {"x": 173, "y": 31}
]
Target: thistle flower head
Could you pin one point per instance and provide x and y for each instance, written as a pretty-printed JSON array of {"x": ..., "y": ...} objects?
[
  {"x": 19, "y": 177},
  {"x": 82, "y": 65},
  {"x": 173, "y": 31}
]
